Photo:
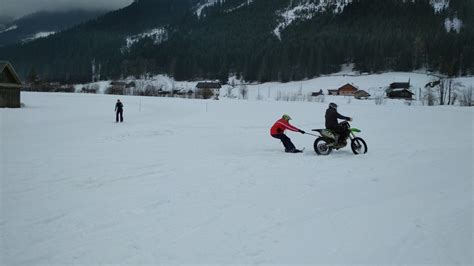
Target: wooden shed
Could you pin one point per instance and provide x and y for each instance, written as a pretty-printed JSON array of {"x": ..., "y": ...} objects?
[{"x": 10, "y": 86}]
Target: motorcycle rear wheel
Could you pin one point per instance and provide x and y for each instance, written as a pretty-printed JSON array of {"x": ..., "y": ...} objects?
[{"x": 321, "y": 146}]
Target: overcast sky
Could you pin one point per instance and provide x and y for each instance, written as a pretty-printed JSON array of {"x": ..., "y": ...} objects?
[{"x": 17, "y": 8}]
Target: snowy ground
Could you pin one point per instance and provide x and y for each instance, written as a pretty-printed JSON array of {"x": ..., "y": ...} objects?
[{"x": 194, "y": 181}]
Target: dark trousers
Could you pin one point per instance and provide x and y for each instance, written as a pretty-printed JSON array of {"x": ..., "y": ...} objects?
[
  {"x": 341, "y": 131},
  {"x": 286, "y": 141},
  {"x": 119, "y": 112}
]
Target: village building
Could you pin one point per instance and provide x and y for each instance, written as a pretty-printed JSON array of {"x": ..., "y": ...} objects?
[
  {"x": 317, "y": 93},
  {"x": 214, "y": 87},
  {"x": 117, "y": 88},
  {"x": 399, "y": 90},
  {"x": 347, "y": 90},
  {"x": 10, "y": 86}
]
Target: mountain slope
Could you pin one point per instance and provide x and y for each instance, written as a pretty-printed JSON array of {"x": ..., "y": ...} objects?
[
  {"x": 28, "y": 27},
  {"x": 376, "y": 35},
  {"x": 259, "y": 40}
]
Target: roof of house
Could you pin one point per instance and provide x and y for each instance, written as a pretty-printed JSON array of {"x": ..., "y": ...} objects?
[
  {"x": 363, "y": 92},
  {"x": 399, "y": 90},
  {"x": 208, "y": 85},
  {"x": 400, "y": 85},
  {"x": 317, "y": 92},
  {"x": 6, "y": 65},
  {"x": 349, "y": 86},
  {"x": 118, "y": 83}
]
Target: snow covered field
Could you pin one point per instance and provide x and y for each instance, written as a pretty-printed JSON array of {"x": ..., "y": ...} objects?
[{"x": 193, "y": 181}]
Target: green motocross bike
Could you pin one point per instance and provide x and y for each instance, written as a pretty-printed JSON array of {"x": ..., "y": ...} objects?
[{"x": 326, "y": 142}]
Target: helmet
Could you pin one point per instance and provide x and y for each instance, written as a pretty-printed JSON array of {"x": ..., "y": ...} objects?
[
  {"x": 286, "y": 117},
  {"x": 333, "y": 105}
]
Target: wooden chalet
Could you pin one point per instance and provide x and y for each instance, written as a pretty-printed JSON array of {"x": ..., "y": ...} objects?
[
  {"x": 347, "y": 90},
  {"x": 10, "y": 86}
]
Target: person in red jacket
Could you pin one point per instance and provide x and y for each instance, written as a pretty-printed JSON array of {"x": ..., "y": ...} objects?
[{"x": 278, "y": 131}]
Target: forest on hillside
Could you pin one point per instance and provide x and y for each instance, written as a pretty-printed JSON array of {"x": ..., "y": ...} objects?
[{"x": 376, "y": 36}]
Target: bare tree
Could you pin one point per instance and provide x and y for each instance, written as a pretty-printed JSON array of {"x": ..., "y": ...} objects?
[
  {"x": 379, "y": 99},
  {"x": 292, "y": 97},
  {"x": 442, "y": 92},
  {"x": 320, "y": 98},
  {"x": 428, "y": 97},
  {"x": 259, "y": 96},
  {"x": 243, "y": 91},
  {"x": 457, "y": 88},
  {"x": 446, "y": 91},
  {"x": 450, "y": 87},
  {"x": 151, "y": 90},
  {"x": 229, "y": 90},
  {"x": 466, "y": 97},
  {"x": 278, "y": 96},
  {"x": 300, "y": 96},
  {"x": 140, "y": 86}
]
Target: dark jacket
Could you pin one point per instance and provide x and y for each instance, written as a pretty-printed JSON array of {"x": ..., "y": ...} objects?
[
  {"x": 331, "y": 118},
  {"x": 119, "y": 106}
]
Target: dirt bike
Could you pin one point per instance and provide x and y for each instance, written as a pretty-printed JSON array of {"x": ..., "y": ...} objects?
[{"x": 325, "y": 143}]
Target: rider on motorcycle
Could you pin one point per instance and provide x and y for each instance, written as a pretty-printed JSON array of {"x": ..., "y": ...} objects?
[{"x": 331, "y": 122}]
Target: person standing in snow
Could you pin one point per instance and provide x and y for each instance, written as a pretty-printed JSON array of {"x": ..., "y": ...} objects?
[
  {"x": 331, "y": 122},
  {"x": 278, "y": 131},
  {"x": 118, "y": 111}
]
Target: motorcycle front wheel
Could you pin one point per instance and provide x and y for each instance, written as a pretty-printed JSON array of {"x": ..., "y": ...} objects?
[
  {"x": 321, "y": 146},
  {"x": 358, "y": 146}
]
